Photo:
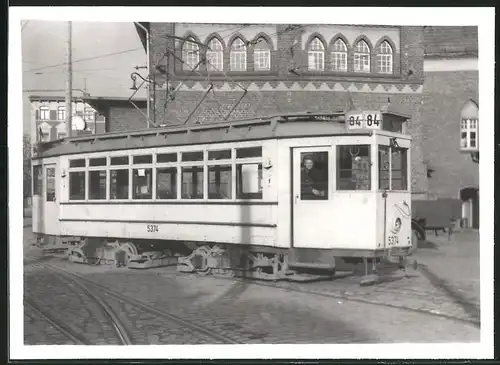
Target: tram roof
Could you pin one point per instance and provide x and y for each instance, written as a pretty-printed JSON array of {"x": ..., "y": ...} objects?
[{"x": 293, "y": 125}]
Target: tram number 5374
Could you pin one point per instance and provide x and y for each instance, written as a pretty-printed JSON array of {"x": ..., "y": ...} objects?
[{"x": 152, "y": 228}]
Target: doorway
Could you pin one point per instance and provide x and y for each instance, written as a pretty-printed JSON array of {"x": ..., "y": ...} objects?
[{"x": 470, "y": 207}]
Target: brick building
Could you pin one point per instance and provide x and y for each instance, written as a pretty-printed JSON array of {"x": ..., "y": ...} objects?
[
  {"x": 267, "y": 69},
  {"x": 450, "y": 116}
]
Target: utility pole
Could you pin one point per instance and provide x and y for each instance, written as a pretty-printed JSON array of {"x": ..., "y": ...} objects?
[{"x": 69, "y": 82}]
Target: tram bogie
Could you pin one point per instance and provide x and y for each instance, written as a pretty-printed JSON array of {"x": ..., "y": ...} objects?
[{"x": 266, "y": 199}]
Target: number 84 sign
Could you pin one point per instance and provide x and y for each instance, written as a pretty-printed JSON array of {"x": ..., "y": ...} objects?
[{"x": 364, "y": 119}]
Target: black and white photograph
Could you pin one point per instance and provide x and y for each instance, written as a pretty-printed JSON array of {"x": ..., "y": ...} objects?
[{"x": 204, "y": 176}]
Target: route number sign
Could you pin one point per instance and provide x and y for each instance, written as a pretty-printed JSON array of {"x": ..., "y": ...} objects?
[
  {"x": 364, "y": 120},
  {"x": 373, "y": 120},
  {"x": 354, "y": 120}
]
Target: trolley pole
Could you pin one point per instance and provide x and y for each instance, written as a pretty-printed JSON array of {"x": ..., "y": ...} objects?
[{"x": 69, "y": 82}]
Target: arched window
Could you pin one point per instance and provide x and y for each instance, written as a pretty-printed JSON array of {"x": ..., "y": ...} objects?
[
  {"x": 469, "y": 127},
  {"x": 190, "y": 55},
  {"x": 362, "y": 57},
  {"x": 316, "y": 55},
  {"x": 262, "y": 55},
  {"x": 339, "y": 56},
  {"x": 215, "y": 56},
  {"x": 238, "y": 56},
  {"x": 384, "y": 58}
]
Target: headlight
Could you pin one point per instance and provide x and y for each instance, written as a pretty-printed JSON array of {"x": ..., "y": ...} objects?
[{"x": 396, "y": 227}]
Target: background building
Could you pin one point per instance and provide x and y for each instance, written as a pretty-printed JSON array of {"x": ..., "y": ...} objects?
[
  {"x": 48, "y": 115},
  {"x": 450, "y": 117},
  {"x": 101, "y": 115}
]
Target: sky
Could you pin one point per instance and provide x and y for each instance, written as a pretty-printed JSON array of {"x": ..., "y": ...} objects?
[{"x": 44, "y": 45}]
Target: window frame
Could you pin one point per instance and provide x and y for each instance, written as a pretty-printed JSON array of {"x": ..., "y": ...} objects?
[
  {"x": 359, "y": 54},
  {"x": 98, "y": 169},
  {"x": 347, "y": 143},
  {"x": 218, "y": 53},
  {"x": 187, "y": 54},
  {"x": 44, "y": 113},
  {"x": 386, "y": 56},
  {"x": 241, "y": 51},
  {"x": 466, "y": 127},
  {"x": 221, "y": 162},
  {"x": 85, "y": 195},
  {"x": 407, "y": 162},
  {"x": 313, "y": 51},
  {"x": 39, "y": 180},
  {"x": 335, "y": 53},
  {"x": 170, "y": 164},
  {"x": 61, "y": 110}
]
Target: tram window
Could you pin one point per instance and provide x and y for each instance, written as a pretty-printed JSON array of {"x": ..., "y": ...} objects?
[
  {"x": 383, "y": 167},
  {"x": 77, "y": 185},
  {"x": 97, "y": 185},
  {"x": 399, "y": 169},
  {"x": 97, "y": 161},
  {"x": 166, "y": 183},
  {"x": 77, "y": 163},
  {"x": 123, "y": 160},
  {"x": 37, "y": 180},
  {"x": 142, "y": 183},
  {"x": 192, "y": 156},
  {"x": 219, "y": 182},
  {"x": 249, "y": 152},
  {"x": 249, "y": 181},
  {"x": 51, "y": 184},
  {"x": 143, "y": 159},
  {"x": 192, "y": 182},
  {"x": 118, "y": 184},
  {"x": 314, "y": 176},
  {"x": 166, "y": 157},
  {"x": 353, "y": 167},
  {"x": 219, "y": 155}
]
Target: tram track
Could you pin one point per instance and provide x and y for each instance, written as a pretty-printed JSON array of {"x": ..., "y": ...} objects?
[
  {"x": 143, "y": 307},
  {"x": 302, "y": 289},
  {"x": 72, "y": 335},
  {"x": 118, "y": 328}
]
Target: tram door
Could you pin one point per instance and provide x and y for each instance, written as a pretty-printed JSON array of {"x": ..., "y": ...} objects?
[
  {"x": 50, "y": 212},
  {"x": 311, "y": 205}
]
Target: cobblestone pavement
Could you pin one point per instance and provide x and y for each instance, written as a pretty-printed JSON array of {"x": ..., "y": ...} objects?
[
  {"x": 336, "y": 311},
  {"x": 456, "y": 261}
]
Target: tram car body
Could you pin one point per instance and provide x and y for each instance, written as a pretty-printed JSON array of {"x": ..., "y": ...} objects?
[{"x": 253, "y": 197}]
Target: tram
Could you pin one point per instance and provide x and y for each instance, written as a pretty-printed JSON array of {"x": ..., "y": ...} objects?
[{"x": 265, "y": 198}]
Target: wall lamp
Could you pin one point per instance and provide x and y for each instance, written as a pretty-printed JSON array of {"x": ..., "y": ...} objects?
[{"x": 134, "y": 76}]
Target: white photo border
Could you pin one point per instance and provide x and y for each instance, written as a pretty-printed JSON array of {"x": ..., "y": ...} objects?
[{"x": 481, "y": 17}]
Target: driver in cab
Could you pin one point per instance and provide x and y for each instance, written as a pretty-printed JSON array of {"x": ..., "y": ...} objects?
[{"x": 312, "y": 186}]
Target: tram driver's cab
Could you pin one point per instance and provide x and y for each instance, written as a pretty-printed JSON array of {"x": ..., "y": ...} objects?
[{"x": 353, "y": 191}]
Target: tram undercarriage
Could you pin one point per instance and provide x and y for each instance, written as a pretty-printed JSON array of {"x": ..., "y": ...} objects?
[{"x": 224, "y": 260}]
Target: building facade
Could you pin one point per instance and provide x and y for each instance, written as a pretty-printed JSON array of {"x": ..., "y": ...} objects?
[
  {"x": 100, "y": 115},
  {"x": 245, "y": 71},
  {"x": 450, "y": 117},
  {"x": 48, "y": 116}
]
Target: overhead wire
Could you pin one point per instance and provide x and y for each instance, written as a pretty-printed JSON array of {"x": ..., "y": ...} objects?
[{"x": 85, "y": 59}]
